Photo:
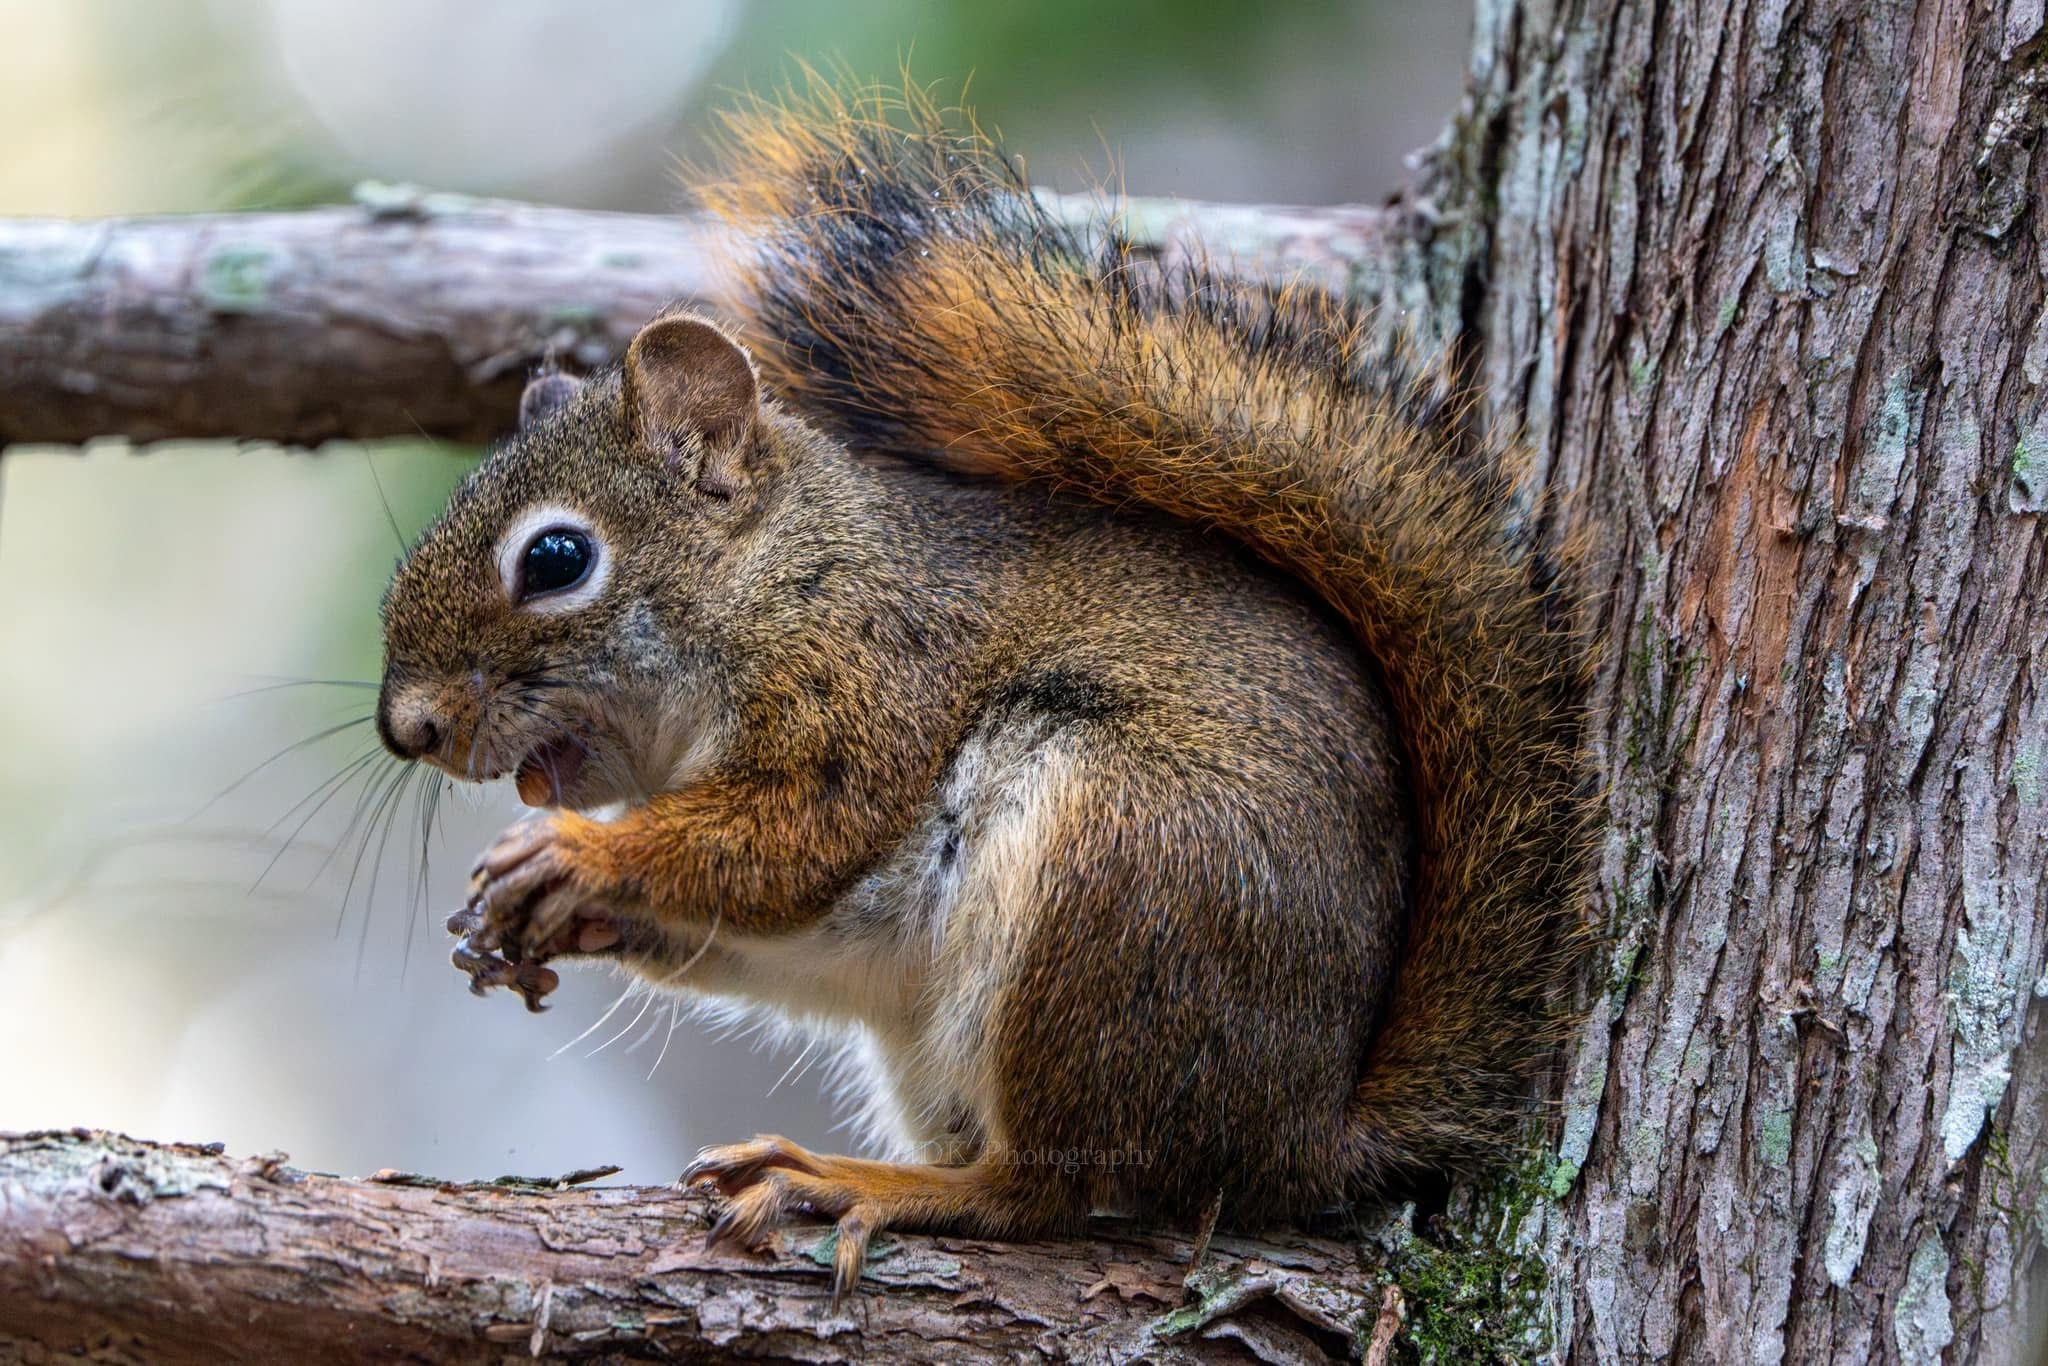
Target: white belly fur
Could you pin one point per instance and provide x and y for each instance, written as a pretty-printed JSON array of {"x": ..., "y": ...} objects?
[{"x": 897, "y": 981}]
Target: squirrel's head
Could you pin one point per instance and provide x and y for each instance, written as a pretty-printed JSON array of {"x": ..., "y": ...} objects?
[{"x": 559, "y": 621}]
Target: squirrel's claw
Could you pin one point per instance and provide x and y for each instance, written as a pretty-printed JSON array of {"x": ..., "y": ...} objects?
[
  {"x": 764, "y": 1181},
  {"x": 486, "y": 970},
  {"x": 515, "y": 876},
  {"x": 850, "y": 1254},
  {"x": 534, "y": 982},
  {"x": 517, "y": 845},
  {"x": 731, "y": 1167},
  {"x": 522, "y": 911},
  {"x": 749, "y": 1217}
]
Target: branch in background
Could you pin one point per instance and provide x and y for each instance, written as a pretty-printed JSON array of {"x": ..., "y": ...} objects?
[
  {"x": 174, "y": 1253},
  {"x": 401, "y": 314},
  {"x": 410, "y": 313}
]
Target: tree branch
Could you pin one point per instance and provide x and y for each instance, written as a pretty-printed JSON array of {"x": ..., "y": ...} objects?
[
  {"x": 178, "y": 1253},
  {"x": 409, "y": 313}
]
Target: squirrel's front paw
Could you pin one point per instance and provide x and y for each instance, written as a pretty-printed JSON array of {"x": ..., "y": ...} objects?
[{"x": 529, "y": 902}]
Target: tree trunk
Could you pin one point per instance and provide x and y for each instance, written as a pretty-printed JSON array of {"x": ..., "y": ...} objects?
[{"x": 1764, "y": 287}]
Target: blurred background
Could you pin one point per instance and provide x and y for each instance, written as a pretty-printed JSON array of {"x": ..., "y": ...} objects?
[{"x": 212, "y": 927}]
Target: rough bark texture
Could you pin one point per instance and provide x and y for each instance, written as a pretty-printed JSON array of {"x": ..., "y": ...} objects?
[
  {"x": 162, "y": 1253},
  {"x": 405, "y": 314},
  {"x": 1764, "y": 285}
]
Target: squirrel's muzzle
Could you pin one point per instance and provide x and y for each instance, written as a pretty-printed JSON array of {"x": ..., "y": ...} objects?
[{"x": 412, "y": 721}]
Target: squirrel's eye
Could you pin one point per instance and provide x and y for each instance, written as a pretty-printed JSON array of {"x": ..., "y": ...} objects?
[{"x": 554, "y": 560}]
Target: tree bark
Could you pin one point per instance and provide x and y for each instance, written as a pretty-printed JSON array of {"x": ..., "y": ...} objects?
[
  {"x": 407, "y": 313},
  {"x": 168, "y": 1253},
  {"x": 1763, "y": 286}
]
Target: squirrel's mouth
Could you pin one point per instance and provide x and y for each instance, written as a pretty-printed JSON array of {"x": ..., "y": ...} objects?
[{"x": 550, "y": 770}]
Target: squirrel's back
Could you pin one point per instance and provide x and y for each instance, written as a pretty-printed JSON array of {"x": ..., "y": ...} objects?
[{"x": 907, "y": 289}]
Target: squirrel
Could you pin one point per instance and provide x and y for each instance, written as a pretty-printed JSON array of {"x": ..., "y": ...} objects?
[{"x": 1130, "y": 705}]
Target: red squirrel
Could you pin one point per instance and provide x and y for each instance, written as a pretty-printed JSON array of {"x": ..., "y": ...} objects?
[{"x": 1126, "y": 702}]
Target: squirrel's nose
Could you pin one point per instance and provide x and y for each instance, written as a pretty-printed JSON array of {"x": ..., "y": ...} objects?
[{"x": 406, "y": 725}]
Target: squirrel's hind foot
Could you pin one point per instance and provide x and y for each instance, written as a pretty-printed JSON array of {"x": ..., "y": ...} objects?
[{"x": 767, "y": 1180}]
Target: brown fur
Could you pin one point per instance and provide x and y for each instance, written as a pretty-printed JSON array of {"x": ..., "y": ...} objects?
[{"x": 1113, "y": 839}]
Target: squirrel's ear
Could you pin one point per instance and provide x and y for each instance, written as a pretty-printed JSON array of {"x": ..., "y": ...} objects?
[
  {"x": 544, "y": 394},
  {"x": 685, "y": 375}
]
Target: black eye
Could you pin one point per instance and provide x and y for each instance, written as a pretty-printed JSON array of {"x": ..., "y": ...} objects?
[{"x": 554, "y": 560}]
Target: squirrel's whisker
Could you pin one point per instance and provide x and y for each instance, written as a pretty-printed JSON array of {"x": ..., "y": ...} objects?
[
  {"x": 284, "y": 683},
  {"x": 801, "y": 1058},
  {"x": 674, "y": 1022},
  {"x": 385, "y": 795},
  {"x": 288, "y": 750},
  {"x": 332, "y": 787},
  {"x": 597, "y": 1024},
  {"x": 646, "y": 1001},
  {"x": 381, "y": 764},
  {"x": 362, "y": 757},
  {"x": 429, "y": 808},
  {"x": 376, "y": 479},
  {"x": 408, "y": 785}
]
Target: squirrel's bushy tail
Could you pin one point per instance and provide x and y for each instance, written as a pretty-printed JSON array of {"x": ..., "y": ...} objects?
[{"x": 904, "y": 286}]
